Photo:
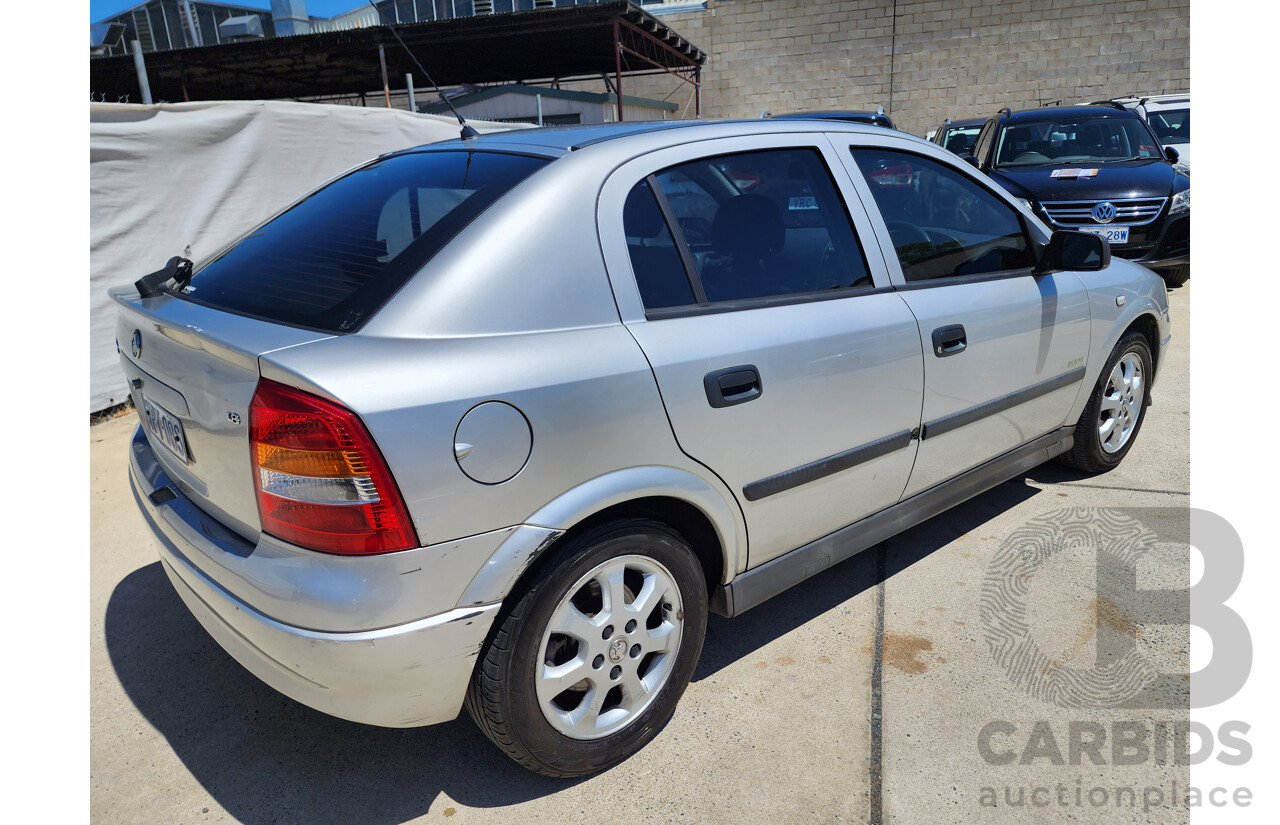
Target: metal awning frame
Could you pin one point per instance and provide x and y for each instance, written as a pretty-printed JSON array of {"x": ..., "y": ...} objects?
[{"x": 603, "y": 40}]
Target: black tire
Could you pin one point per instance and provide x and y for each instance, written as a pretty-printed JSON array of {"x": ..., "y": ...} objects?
[
  {"x": 1177, "y": 276},
  {"x": 502, "y": 698},
  {"x": 1088, "y": 454}
]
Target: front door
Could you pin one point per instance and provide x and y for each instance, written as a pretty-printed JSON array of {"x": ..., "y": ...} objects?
[{"x": 1004, "y": 348}]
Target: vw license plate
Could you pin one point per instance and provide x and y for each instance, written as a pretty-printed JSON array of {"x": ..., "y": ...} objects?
[
  {"x": 166, "y": 428},
  {"x": 1113, "y": 234}
]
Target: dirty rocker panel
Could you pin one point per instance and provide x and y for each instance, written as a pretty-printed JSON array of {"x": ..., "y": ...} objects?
[{"x": 771, "y": 578}]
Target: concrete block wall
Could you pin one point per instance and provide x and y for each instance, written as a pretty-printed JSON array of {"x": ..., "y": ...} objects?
[{"x": 925, "y": 60}]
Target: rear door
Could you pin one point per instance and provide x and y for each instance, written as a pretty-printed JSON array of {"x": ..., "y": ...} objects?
[
  {"x": 1004, "y": 348},
  {"x": 787, "y": 364}
]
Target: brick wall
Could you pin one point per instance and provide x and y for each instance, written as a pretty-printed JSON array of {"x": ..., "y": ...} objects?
[{"x": 925, "y": 60}]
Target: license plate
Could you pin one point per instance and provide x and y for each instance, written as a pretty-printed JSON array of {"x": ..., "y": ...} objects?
[
  {"x": 166, "y": 428},
  {"x": 1113, "y": 234}
]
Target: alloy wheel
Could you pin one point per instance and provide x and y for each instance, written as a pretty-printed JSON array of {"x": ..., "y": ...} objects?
[{"x": 609, "y": 647}]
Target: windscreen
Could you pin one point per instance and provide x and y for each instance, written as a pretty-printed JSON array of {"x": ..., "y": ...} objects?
[
  {"x": 1075, "y": 140},
  {"x": 332, "y": 260}
]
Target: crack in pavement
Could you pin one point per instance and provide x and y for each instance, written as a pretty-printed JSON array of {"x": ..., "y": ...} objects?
[
  {"x": 1068, "y": 484},
  {"x": 875, "y": 814}
]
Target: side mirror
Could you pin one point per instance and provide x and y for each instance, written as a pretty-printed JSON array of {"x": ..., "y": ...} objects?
[
  {"x": 1171, "y": 154},
  {"x": 972, "y": 161},
  {"x": 1075, "y": 251}
]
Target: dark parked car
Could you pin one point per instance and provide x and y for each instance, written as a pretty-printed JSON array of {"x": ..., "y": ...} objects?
[
  {"x": 958, "y": 136},
  {"x": 876, "y": 118},
  {"x": 1097, "y": 169}
]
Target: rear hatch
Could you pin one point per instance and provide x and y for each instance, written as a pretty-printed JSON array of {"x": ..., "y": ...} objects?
[
  {"x": 192, "y": 371},
  {"x": 319, "y": 269}
]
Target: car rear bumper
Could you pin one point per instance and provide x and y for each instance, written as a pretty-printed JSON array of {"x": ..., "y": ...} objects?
[{"x": 404, "y": 675}]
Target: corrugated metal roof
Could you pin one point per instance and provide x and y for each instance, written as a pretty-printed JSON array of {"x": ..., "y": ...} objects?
[
  {"x": 482, "y": 95},
  {"x": 573, "y": 41}
]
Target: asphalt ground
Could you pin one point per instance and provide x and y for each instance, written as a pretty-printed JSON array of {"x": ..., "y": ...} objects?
[{"x": 1028, "y": 645}]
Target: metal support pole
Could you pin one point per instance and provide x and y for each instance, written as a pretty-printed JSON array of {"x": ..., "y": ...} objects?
[
  {"x": 539, "y": 110},
  {"x": 141, "y": 68},
  {"x": 386, "y": 87},
  {"x": 697, "y": 92},
  {"x": 192, "y": 25},
  {"x": 617, "y": 58},
  {"x": 408, "y": 82}
]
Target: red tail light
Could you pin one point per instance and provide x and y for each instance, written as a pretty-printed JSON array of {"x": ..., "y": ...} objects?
[{"x": 321, "y": 481}]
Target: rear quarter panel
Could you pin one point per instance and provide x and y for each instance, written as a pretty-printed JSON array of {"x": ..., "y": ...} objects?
[{"x": 588, "y": 395}]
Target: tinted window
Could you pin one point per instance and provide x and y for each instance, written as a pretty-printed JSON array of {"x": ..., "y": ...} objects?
[
  {"x": 1172, "y": 125},
  {"x": 334, "y": 258},
  {"x": 942, "y": 222},
  {"x": 660, "y": 274},
  {"x": 764, "y": 224},
  {"x": 1075, "y": 140},
  {"x": 961, "y": 140}
]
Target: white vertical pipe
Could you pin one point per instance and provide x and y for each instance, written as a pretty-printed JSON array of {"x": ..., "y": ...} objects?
[{"x": 141, "y": 69}]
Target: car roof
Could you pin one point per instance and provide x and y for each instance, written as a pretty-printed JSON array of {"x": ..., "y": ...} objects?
[
  {"x": 833, "y": 114},
  {"x": 961, "y": 124},
  {"x": 556, "y": 141},
  {"x": 1070, "y": 111},
  {"x": 1163, "y": 101}
]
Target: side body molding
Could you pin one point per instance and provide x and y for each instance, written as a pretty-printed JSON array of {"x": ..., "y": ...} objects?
[{"x": 540, "y": 530}]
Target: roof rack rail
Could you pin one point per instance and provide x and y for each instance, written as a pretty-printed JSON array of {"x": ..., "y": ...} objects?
[
  {"x": 1112, "y": 104},
  {"x": 1006, "y": 111}
]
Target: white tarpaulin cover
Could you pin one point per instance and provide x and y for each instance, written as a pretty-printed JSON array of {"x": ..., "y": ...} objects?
[{"x": 188, "y": 178}]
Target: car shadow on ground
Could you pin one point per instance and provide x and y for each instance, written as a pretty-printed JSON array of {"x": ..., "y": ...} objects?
[
  {"x": 729, "y": 640},
  {"x": 267, "y": 759}
]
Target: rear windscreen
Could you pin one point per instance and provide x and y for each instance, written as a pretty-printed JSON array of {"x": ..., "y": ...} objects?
[{"x": 334, "y": 258}]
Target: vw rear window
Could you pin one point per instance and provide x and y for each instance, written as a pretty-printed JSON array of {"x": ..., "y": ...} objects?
[{"x": 333, "y": 259}]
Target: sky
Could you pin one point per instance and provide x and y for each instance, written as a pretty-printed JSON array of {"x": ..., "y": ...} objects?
[{"x": 99, "y": 9}]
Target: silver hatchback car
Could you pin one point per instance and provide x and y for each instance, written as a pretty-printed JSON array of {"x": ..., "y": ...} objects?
[{"x": 497, "y": 421}]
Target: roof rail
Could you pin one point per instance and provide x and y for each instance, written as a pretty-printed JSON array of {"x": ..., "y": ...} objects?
[
  {"x": 1112, "y": 104},
  {"x": 1005, "y": 111}
]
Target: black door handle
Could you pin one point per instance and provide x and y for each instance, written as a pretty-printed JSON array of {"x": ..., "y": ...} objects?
[
  {"x": 735, "y": 385},
  {"x": 949, "y": 340}
]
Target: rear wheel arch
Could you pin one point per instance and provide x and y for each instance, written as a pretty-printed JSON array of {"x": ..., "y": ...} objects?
[{"x": 695, "y": 526}]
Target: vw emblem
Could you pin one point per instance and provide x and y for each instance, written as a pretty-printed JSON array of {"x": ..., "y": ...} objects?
[
  {"x": 137, "y": 343},
  {"x": 1104, "y": 212}
]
